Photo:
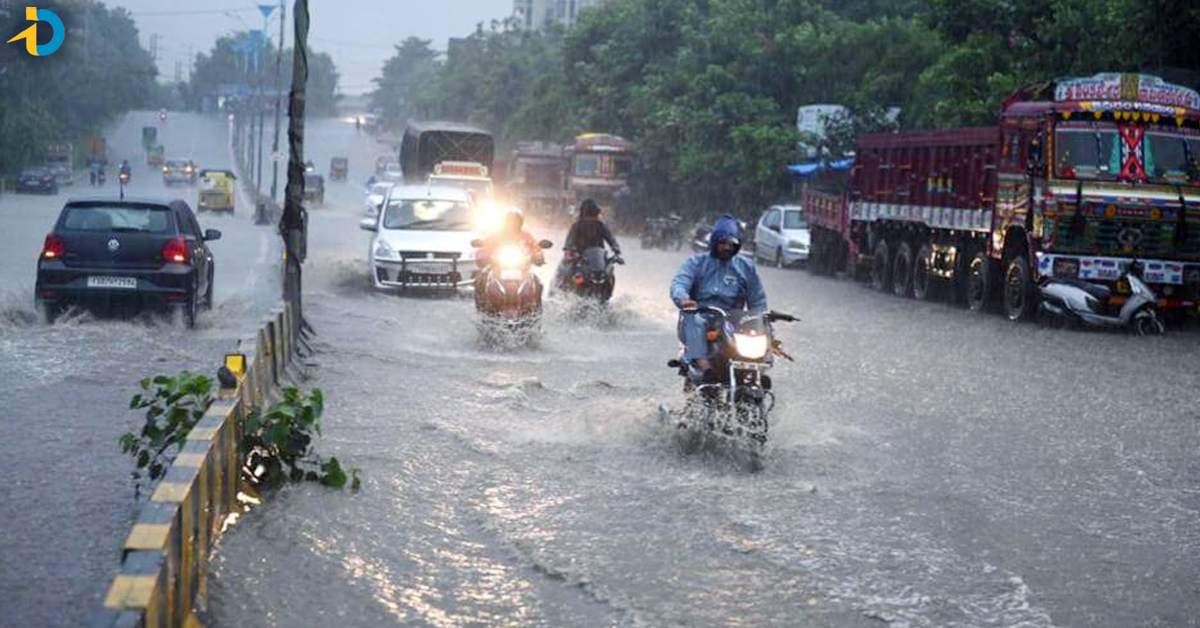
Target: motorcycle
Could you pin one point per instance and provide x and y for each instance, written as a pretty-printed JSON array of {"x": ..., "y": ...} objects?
[
  {"x": 592, "y": 274},
  {"x": 733, "y": 406},
  {"x": 123, "y": 180},
  {"x": 662, "y": 233},
  {"x": 507, "y": 291},
  {"x": 1075, "y": 302}
]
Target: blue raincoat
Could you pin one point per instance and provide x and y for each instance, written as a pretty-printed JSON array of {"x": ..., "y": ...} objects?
[{"x": 728, "y": 284}]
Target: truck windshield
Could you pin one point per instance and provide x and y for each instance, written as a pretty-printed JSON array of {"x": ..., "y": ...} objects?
[
  {"x": 1172, "y": 157},
  {"x": 427, "y": 214},
  {"x": 1087, "y": 152},
  {"x": 587, "y": 166}
]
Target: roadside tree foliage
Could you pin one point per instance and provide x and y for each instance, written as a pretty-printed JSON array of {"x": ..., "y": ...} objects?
[
  {"x": 236, "y": 60},
  {"x": 708, "y": 89},
  {"x": 173, "y": 406},
  {"x": 58, "y": 98}
]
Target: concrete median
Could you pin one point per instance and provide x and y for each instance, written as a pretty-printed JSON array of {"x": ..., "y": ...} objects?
[{"x": 164, "y": 562}]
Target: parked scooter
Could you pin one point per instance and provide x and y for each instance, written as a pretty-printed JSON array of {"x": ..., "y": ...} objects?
[{"x": 1075, "y": 302}]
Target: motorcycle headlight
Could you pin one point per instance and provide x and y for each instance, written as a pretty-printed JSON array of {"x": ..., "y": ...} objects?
[
  {"x": 510, "y": 274},
  {"x": 751, "y": 347},
  {"x": 511, "y": 256},
  {"x": 383, "y": 250}
]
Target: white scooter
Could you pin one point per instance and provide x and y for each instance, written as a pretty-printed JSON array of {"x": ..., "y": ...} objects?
[{"x": 1075, "y": 302}]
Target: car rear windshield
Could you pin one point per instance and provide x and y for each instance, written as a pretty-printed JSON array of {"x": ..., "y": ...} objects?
[
  {"x": 118, "y": 218},
  {"x": 176, "y": 164}
]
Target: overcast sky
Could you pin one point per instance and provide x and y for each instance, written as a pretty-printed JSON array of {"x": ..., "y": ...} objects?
[{"x": 359, "y": 34}]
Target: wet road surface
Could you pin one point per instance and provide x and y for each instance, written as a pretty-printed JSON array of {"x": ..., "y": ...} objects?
[
  {"x": 66, "y": 501},
  {"x": 927, "y": 467}
]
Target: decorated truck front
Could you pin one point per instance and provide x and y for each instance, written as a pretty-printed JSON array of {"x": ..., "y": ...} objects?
[
  {"x": 600, "y": 165},
  {"x": 1080, "y": 178},
  {"x": 1110, "y": 168}
]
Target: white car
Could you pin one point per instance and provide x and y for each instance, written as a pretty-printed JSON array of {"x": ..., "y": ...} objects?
[
  {"x": 393, "y": 174},
  {"x": 782, "y": 236},
  {"x": 422, "y": 239},
  {"x": 376, "y": 192}
]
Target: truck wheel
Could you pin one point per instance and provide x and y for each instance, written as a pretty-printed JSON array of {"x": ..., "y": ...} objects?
[
  {"x": 902, "y": 271},
  {"x": 1019, "y": 300},
  {"x": 881, "y": 267},
  {"x": 923, "y": 280},
  {"x": 979, "y": 282}
]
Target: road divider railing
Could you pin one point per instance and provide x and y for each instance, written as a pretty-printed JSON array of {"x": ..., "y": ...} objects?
[{"x": 164, "y": 559}]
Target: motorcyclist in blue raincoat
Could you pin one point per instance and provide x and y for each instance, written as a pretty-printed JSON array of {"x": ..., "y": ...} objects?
[{"x": 717, "y": 278}]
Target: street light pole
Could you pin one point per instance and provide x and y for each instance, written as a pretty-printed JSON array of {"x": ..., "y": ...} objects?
[
  {"x": 278, "y": 103},
  {"x": 266, "y": 10}
]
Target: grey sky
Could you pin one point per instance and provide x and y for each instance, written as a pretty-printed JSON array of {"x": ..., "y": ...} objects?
[{"x": 358, "y": 33}]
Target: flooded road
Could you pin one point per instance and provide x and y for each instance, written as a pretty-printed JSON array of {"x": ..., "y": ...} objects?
[
  {"x": 66, "y": 501},
  {"x": 927, "y": 466}
]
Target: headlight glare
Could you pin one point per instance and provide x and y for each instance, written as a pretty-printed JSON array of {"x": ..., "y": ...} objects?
[{"x": 751, "y": 347}]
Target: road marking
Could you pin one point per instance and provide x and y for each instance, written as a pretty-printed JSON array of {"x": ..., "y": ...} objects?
[{"x": 130, "y": 591}]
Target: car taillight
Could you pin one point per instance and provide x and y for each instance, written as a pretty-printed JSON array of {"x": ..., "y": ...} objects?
[
  {"x": 176, "y": 250},
  {"x": 54, "y": 247}
]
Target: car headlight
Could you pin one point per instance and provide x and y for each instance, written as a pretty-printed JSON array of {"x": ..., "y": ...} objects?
[
  {"x": 751, "y": 347},
  {"x": 383, "y": 250},
  {"x": 511, "y": 256},
  {"x": 796, "y": 244}
]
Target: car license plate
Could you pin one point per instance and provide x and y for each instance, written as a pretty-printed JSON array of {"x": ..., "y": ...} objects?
[
  {"x": 427, "y": 268},
  {"x": 127, "y": 283}
]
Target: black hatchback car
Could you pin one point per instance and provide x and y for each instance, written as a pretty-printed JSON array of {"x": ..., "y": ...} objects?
[
  {"x": 126, "y": 255},
  {"x": 37, "y": 180}
]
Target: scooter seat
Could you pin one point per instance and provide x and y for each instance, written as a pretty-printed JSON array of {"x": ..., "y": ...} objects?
[{"x": 1099, "y": 292}]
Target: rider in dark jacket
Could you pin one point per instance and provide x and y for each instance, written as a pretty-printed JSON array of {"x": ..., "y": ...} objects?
[{"x": 587, "y": 232}]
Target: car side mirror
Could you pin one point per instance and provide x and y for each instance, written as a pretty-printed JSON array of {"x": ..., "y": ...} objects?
[
  {"x": 211, "y": 234},
  {"x": 476, "y": 243},
  {"x": 367, "y": 224},
  {"x": 546, "y": 244}
]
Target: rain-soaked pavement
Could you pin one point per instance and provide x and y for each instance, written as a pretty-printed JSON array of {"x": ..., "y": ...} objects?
[
  {"x": 927, "y": 467},
  {"x": 66, "y": 501}
]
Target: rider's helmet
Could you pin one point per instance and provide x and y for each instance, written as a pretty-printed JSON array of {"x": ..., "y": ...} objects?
[
  {"x": 725, "y": 229},
  {"x": 514, "y": 221},
  {"x": 589, "y": 209}
]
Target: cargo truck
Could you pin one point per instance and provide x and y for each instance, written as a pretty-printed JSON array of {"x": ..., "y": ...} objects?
[{"x": 1079, "y": 178}]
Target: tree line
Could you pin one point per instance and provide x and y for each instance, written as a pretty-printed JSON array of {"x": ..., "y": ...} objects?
[
  {"x": 100, "y": 72},
  {"x": 708, "y": 89}
]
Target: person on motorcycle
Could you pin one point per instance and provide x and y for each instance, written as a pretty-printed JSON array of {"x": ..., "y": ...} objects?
[
  {"x": 587, "y": 232},
  {"x": 717, "y": 278},
  {"x": 513, "y": 232}
]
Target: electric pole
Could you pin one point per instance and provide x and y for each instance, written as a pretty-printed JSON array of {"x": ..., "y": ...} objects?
[
  {"x": 293, "y": 224},
  {"x": 278, "y": 103}
]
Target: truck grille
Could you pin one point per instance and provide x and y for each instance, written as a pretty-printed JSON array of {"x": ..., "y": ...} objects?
[{"x": 1126, "y": 237}]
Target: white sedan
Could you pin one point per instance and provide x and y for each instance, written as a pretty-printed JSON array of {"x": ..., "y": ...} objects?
[
  {"x": 782, "y": 236},
  {"x": 422, "y": 239},
  {"x": 375, "y": 195}
]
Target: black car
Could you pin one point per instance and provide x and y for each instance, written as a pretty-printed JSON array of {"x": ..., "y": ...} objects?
[
  {"x": 37, "y": 180},
  {"x": 314, "y": 188},
  {"x": 125, "y": 255}
]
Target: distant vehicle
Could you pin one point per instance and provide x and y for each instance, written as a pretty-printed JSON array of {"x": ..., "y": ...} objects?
[
  {"x": 179, "y": 171},
  {"x": 149, "y": 137},
  {"x": 97, "y": 150},
  {"x": 126, "y": 254},
  {"x": 60, "y": 161},
  {"x": 162, "y": 115},
  {"x": 782, "y": 236},
  {"x": 427, "y": 144},
  {"x": 154, "y": 155},
  {"x": 217, "y": 191},
  {"x": 375, "y": 195},
  {"x": 37, "y": 180},
  {"x": 62, "y": 174},
  {"x": 470, "y": 176},
  {"x": 383, "y": 163},
  {"x": 663, "y": 232},
  {"x": 393, "y": 174},
  {"x": 314, "y": 188},
  {"x": 339, "y": 169},
  {"x": 537, "y": 178},
  {"x": 599, "y": 169},
  {"x": 422, "y": 239}
]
